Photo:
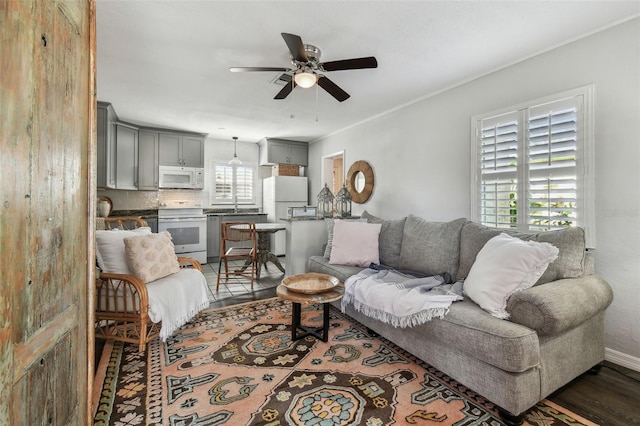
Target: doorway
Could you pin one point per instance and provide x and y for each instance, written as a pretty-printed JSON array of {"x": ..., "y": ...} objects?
[{"x": 333, "y": 173}]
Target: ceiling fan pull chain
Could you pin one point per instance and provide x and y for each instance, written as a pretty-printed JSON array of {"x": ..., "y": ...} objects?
[{"x": 317, "y": 103}]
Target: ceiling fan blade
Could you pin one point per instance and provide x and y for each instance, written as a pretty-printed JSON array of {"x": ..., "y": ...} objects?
[
  {"x": 296, "y": 47},
  {"x": 253, "y": 69},
  {"x": 332, "y": 88},
  {"x": 350, "y": 64},
  {"x": 288, "y": 88}
]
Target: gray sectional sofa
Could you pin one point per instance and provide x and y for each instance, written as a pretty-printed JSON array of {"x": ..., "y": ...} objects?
[{"x": 555, "y": 331}]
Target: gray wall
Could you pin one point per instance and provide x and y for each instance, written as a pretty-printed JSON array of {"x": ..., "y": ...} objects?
[{"x": 421, "y": 156}]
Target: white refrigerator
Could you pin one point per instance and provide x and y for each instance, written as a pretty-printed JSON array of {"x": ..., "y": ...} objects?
[{"x": 278, "y": 194}]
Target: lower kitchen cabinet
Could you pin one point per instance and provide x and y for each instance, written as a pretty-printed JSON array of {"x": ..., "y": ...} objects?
[
  {"x": 213, "y": 229},
  {"x": 213, "y": 237}
]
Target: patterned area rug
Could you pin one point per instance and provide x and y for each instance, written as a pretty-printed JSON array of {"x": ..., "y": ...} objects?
[{"x": 239, "y": 366}]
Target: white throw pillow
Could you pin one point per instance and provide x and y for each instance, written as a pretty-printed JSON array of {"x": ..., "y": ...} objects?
[
  {"x": 110, "y": 249},
  {"x": 152, "y": 256},
  {"x": 355, "y": 243},
  {"x": 506, "y": 265}
]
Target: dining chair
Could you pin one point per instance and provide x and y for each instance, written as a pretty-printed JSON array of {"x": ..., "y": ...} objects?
[{"x": 238, "y": 241}]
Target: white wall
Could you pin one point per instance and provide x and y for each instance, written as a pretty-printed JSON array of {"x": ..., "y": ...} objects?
[{"x": 420, "y": 155}]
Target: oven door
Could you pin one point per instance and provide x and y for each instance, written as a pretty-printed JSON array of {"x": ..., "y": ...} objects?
[{"x": 188, "y": 234}]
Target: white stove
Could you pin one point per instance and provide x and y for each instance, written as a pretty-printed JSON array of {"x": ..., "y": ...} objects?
[{"x": 187, "y": 224}]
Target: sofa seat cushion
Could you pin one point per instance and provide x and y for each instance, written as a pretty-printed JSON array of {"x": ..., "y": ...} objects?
[
  {"x": 468, "y": 329},
  {"x": 431, "y": 247},
  {"x": 570, "y": 242},
  {"x": 321, "y": 265}
]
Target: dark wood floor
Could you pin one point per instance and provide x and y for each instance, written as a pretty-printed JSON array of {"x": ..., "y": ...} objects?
[{"x": 609, "y": 398}]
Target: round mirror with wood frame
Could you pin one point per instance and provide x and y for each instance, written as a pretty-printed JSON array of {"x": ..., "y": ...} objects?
[{"x": 357, "y": 171}]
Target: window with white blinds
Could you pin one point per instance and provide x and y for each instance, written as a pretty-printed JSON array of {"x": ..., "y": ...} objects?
[
  {"x": 533, "y": 166},
  {"x": 233, "y": 183}
]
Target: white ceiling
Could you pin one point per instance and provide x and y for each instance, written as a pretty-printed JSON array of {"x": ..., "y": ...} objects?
[{"x": 166, "y": 63}]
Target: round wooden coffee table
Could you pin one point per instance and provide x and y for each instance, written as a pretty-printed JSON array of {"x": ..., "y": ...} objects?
[{"x": 310, "y": 289}]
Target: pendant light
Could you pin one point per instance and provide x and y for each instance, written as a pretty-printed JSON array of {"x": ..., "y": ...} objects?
[{"x": 235, "y": 160}]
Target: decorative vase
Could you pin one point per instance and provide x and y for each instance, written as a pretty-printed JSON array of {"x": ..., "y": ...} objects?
[{"x": 103, "y": 208}]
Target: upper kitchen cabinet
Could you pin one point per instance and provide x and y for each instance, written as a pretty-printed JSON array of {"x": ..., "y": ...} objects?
[
  {"x": 148, "y": 160},
  {"x": 126, "y": 157},
  {"x": 182, "y": 150},
  {"x": 106, "y": 146},
  {"x": 280, "y": 151}
]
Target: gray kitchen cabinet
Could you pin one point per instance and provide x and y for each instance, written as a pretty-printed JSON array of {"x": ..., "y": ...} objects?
[
  {"x": 126, "y": 157},
  {"x": 106, "y": 146},
  {"x": 213, "y": 229},
  {"x": 281, "y": 151},
  {"x": 213, "y": 237},
  {"x": 182, "y": 150},
  {"x": 148, "y": 160}
]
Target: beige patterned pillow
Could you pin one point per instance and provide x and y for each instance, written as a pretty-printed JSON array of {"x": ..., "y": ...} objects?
[{"x": 152, "y": 256}]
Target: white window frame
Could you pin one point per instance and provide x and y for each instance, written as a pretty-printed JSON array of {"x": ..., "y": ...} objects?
[
  {"x": 233, "y": 199},
  {"x": 585, "y": 159}
]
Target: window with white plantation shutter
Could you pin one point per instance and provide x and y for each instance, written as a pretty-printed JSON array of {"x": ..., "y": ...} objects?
[
  {"x": 533, "y": 165},
  {"x": 233, "y": 180}
]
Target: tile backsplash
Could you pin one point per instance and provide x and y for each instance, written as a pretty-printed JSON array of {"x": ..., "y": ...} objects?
[{"x": 149, "y": 200}]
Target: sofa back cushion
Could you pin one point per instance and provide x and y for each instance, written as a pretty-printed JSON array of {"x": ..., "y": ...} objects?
[
  {"x": 431, "y": 247},
  {"x": 569, "y": 241},
  {"x": 390, "y": 240}
]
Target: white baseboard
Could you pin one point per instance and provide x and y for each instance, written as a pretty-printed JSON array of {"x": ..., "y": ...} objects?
[{"x": 622, "y": 359}]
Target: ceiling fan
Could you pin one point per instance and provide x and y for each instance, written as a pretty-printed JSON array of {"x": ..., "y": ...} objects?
[{"x": 308, "y": 70}]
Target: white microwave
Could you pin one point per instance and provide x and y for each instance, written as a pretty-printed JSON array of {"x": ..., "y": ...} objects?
[{"x": 181, "y": 177}]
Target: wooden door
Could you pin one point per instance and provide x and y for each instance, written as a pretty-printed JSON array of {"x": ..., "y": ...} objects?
[{"x": 47, "y": 167}]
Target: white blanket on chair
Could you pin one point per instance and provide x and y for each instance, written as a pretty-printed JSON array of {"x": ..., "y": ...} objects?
[
  {"x": 399, "y": 299},
  {"x": 177, "y": 298}
]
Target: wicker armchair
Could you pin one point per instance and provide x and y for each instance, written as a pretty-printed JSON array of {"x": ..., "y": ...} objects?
[{"x": 122, "y": 300}]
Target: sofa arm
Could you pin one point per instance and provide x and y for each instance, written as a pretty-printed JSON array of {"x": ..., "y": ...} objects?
[{"x": 559, "y": 305}]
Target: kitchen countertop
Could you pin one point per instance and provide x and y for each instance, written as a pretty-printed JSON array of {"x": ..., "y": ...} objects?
[
  {"x": 218, "y": 212},
  {"x": 211, "y": 212},
  {"x": 135, "y": 213}
]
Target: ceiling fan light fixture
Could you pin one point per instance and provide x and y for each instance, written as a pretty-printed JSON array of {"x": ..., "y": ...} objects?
[{"x": 305, "y": 79}]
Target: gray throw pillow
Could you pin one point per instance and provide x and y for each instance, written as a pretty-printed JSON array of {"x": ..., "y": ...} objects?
[
  {"x": 431, "y": 247},
  {"x": 390, "y": 240}
]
